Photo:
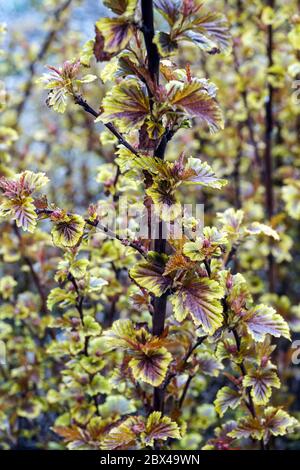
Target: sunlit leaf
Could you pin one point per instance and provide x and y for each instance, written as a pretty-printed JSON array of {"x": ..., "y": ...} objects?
[
  {"x": 160, "y": 427},
  {"x": 151, "y": 365},
  {"x": 197, "y": 101},
  {"x": 262, "y": 320},
  {"x": 226, "y": 398},
  {"x": 203, "y": 174},
  {"x": 261, "y": 382},
  {"x": 201, "y": 299},
  {"x": 121, "y": 6},
  {"x": 150, "y": 276},
  {"x": 67, "y": 230},
  {"x": 116, "y": 32},
  {"x": 127, "y": 104}
]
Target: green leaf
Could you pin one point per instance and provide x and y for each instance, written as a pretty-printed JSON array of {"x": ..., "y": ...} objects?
[
  {"x": 57, "y": 99},
  {"x": 96, "y": 285},
  {"x": 226, "y": 398},
  {"x": 262, "y": 320},
  {"x": 61, "y": 297},
  {"x": 99, "y": 384},
  {"x": 78, "y": 268},
  {"x": 197, "y": 100},
  {"x": 87, "y": 52},
  {"x": 121, "y": 335},
  {"x": 87, "y": 78},
  {"x": 208, "y": 246},
  {"x": 199, "y": 297},
  {"x": 127, "y": 104},
  {"x": 7, "y": 285},
  {"x": 90, "y": 326},
  {"x": 291, "y": 197}
]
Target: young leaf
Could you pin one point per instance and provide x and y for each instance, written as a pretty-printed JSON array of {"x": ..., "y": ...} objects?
[
  {"x": 20, "y": 210},
  {"x": 121, "y": 335},
  {"x": 226, "y": 398},
  {"x": 121, "y": 437},
  {"x": 209, "y": 31},
  {"x": 199, "y": 297},
  {"x": 67, "y": 230},
  {"x": 121, "y": 7},
  {"x": 257, "y": 228},
  {"x": 278, "y": 422},
  {"x": 262, "y": 320},
  {"x": 169, "y": 9},
  {"x": 17, "y": 203},
  {"x": 90, "y": 326},
  {"x": 261, "y": 382},
  {"x": 208, "y": 246},
  {"x": 151, "y": 365},
  {"x": 160, "y": 427},
  {"x": 197, "y": 101},
  {"x": 247, "y": 427},
  {"x": 116, "y": 32},
  {"x": 202, "y": 174},
  {"x": 61, "y": 297},
  {"x": 127, "y": 104},
  {"x": 150, "y": 276}
]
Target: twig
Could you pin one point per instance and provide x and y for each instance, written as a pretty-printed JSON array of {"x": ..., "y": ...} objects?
[
  {"x": 269, "y": 121},
  {"x": 184, "y": 392},
  {"x": 83, "y": 103},
  {"x": 79, "y": 300},
  {"x": 148, "y": 32},
  {"x": 104, "y": 229}
]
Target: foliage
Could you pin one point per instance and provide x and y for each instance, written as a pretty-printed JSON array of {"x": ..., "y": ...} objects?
[{"x": 118, "y": 341}]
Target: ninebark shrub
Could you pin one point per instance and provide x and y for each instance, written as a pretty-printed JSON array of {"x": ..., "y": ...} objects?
[{"x": 143, "y": 341}]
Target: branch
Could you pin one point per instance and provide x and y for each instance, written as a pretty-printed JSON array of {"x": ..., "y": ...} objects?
[
  {"x": 148, "y": 32},
  {"x": 136, "y": 246},
  {"x": 79, "y": 306},
  {"x": 114, "y": 235},
  {"x": 269, "y": 123},
  {"x": 81, "y": 102}
]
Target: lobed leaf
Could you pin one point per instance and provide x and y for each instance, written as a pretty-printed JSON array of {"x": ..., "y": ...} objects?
[
  {"x": 227, "y": 398},
  {"x": 199, "y": 297}
]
